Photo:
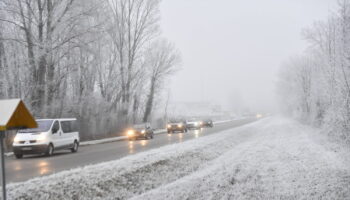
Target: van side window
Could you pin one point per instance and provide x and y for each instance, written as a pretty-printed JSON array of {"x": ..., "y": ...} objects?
[
  {"x": 68, "y": 126},
  {"x": 55, "y": 127}
]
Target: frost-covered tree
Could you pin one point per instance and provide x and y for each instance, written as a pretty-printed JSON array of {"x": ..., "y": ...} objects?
[
  {"x": 162, "y": 60},
  {"x": 315, "y": 87},
  {"x": 79, "y": 58}
]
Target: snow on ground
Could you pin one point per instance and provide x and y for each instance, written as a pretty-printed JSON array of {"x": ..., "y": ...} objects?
[{"x": 274, "y": 158}]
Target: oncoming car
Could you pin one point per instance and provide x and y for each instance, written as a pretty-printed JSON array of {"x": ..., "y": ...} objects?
[
  {"x": 51, "y": 135},
  {"x": 176, "y": 127},
  {"x": 194, "y": 124},
  {"x": 140, "y": 131}
]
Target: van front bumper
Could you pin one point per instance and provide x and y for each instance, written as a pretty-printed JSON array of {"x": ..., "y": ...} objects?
[{"x": 30, "y": 149}]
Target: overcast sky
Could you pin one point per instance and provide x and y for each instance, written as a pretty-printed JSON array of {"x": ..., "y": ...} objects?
[{"x": 236, "y": 46}]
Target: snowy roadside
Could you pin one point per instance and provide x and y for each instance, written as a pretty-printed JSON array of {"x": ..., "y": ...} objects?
[{"x": 273, "y": 158}]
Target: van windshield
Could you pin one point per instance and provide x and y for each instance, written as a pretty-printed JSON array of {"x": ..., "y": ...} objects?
[{"x": 43, "y": 126}]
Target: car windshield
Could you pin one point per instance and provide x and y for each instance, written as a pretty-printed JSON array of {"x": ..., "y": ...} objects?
[
  {"x": 43, "y": 126},
  {"x": 175, "y": 122},
  {"x": 139, "y": 126}
]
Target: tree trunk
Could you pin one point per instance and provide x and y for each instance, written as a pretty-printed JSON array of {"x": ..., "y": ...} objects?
[
  {"x": 27, "y": 28},
  {"x": 48, "y": 52},
  {"x": 3, "y": 69},
  {"x": 149, "y": 104}
]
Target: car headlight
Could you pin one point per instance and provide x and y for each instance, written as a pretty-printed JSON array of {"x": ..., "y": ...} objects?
[
  {"x": 143, "y": 131},
  {"x": 169, "y": 126},
  {"x": 196, "y": 123},
  {"x": 16, "y": 139},
  {"x": 179, "y": 125},
  {"x": 131, "y": 132},
  {"x": 41, "y": 137}
]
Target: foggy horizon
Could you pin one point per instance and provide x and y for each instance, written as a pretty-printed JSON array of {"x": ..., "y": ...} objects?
[{"x": 234, "y": 50}]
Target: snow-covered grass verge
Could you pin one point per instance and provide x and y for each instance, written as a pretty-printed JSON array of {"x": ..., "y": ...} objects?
[{"x": 273, "y": 158}]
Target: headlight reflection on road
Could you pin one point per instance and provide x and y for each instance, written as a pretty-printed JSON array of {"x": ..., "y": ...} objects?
[
  {"x": 18, "y": 168},
  {"x": 131, "y": 147},
  {"x": 43, "y": 167},
  {"x": 180, "y": 137},
  {"x": 196, "y": 133},
  {"x": 144, "y": 143},
  {"x": 43, "y": 164},
  {"x": 44, "y": 171},
  {"x": 169, "y": 137}
]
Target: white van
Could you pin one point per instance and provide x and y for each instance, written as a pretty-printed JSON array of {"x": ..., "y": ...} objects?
[{"x": 51, "y": 135}]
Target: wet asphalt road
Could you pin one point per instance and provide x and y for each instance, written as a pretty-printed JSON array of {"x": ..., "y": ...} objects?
[{"x": 34, "y": 166}]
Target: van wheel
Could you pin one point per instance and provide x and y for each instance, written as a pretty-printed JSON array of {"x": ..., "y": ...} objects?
[
  {"x": 75, "y": 147},
  {"x": 19, "y": 156},
  {"x": 49, "y": 151}
]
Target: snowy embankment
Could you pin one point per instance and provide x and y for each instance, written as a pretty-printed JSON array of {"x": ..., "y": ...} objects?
[{"x": 273, "y": 158}]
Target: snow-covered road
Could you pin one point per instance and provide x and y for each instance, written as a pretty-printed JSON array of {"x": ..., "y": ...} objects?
[{"x": 274, "y": 158}]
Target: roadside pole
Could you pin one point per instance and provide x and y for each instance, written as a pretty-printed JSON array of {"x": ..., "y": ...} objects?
[
  {"x": 3, "y": 177},
  {"x": 13, "y": 115}
]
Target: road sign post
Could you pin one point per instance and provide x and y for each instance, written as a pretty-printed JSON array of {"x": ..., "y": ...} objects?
[
  {"x": 3, "y": 177},
  {"x": 13, "y": 115}
]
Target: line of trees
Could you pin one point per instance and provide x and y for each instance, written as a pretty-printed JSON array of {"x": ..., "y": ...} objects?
[
  {"x": 103, "y": 62},
  {"x": 315, "y": 87}
]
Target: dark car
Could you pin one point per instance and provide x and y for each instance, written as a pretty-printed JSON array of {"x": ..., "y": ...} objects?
[
  {"x": 176, "y": 127},
  {"x": 143, "y": 131},
  {"x": 207, "y": 123}
]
